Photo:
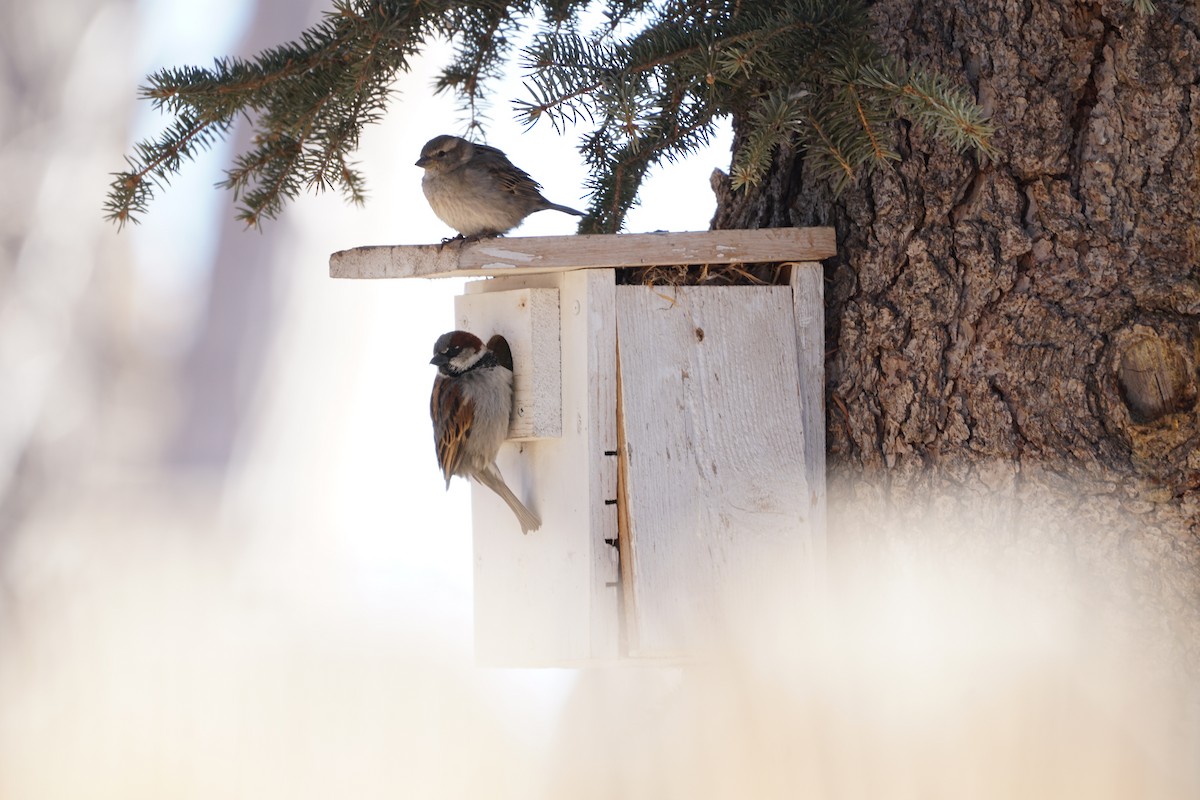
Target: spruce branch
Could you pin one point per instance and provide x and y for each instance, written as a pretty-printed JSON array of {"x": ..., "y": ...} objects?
[
  {"x": 308, "y": 101},
  {"x": 651, "y": 82},
  {"x": 154, "y": 162},
  {"x": 773, "y": 123},
  {"x": 802, "y": 73},
  {"x": 949, "y": 112}
]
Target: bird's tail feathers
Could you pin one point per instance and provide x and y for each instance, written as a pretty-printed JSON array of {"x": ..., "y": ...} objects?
[
  {"x": 492, "y": 479},
  {"x": 564, "y": 209}
]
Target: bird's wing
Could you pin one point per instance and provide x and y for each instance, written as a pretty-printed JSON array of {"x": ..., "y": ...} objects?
[
  {"x": 508, "y": 176},
  {"x": 453, "y": 414}
]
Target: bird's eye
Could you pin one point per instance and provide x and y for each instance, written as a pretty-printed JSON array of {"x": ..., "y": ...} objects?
[{"x": 440, "y": 154}]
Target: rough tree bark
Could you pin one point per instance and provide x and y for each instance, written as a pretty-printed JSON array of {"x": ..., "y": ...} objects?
[{"x": 1022, "y": 336}]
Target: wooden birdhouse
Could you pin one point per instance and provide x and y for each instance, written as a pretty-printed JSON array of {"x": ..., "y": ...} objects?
[{"x": 670, "y": 436}]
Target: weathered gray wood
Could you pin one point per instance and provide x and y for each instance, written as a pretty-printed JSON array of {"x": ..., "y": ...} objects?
[
  {"x": 808, "y": 302},
  {"x": 549, "y": 598},
  {"x": 529, "y": 320},
  {"x": 523, "y": 255},
  {"x": 718, "y": 498}
]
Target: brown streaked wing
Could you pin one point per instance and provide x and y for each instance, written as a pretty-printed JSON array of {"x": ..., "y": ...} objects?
[
  {"x": 511, "y": 178},
  {"x": 452, "y": 425}
]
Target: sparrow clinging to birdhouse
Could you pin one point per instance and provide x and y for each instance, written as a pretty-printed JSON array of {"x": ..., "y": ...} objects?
[{"x": 470, "y": 406}]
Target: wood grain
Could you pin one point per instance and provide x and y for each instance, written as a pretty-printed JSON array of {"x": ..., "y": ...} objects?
[
  {"x": 525, "y": 255},
  {"x": 1154, "y": 379},
  {"x": 627, "y": 602},
  {"x": 718, "y": 496},
  {"x": 592, "y": 302},
  {"x": 808, "y": 303}
]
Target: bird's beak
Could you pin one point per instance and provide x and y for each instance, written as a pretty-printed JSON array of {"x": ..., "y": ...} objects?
[
  {"x": 423, "y": 161},
  {"x": 439, "y": 359}
]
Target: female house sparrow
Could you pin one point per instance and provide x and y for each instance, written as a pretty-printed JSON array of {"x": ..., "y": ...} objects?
[
  {"x": 476, "y": 190},
  {"x": 470, "y": 406}
]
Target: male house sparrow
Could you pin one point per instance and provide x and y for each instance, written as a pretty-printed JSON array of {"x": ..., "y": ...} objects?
[
  {"x": 470, "y": 406},
  {"x": 476, "y": 190}
]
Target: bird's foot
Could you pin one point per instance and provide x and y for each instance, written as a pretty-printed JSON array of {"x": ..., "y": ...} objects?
[
  {"x": 461, "y": 240},
  {"x": 451, "y": 240}
]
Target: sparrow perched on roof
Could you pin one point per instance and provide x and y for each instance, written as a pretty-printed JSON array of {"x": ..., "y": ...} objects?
[
  {"x": 470, "y": 406},
  {"x": 476, "y": 190}
]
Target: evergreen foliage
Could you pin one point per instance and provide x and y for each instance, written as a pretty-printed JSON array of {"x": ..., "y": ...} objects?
[{"x": 650, "y": 81}]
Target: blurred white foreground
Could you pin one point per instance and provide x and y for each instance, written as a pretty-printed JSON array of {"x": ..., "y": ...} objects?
[{"x": 165, "y": 670}]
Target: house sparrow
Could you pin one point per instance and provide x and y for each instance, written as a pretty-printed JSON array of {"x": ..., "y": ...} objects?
[
  {"x": 476, "y": 190},
  {"x": 470, "y": 406}
]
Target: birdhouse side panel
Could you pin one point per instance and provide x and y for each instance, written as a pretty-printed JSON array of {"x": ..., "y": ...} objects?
[
  {"x": 717, "y": 487},
  {"x": 808, "y": 302}
]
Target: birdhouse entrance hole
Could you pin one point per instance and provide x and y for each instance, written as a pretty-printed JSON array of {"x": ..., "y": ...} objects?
[{"x": 670, "y": 437}]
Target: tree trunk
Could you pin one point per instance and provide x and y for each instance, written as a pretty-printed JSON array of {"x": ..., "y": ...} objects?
[{"x": 1022, "y": 336}]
